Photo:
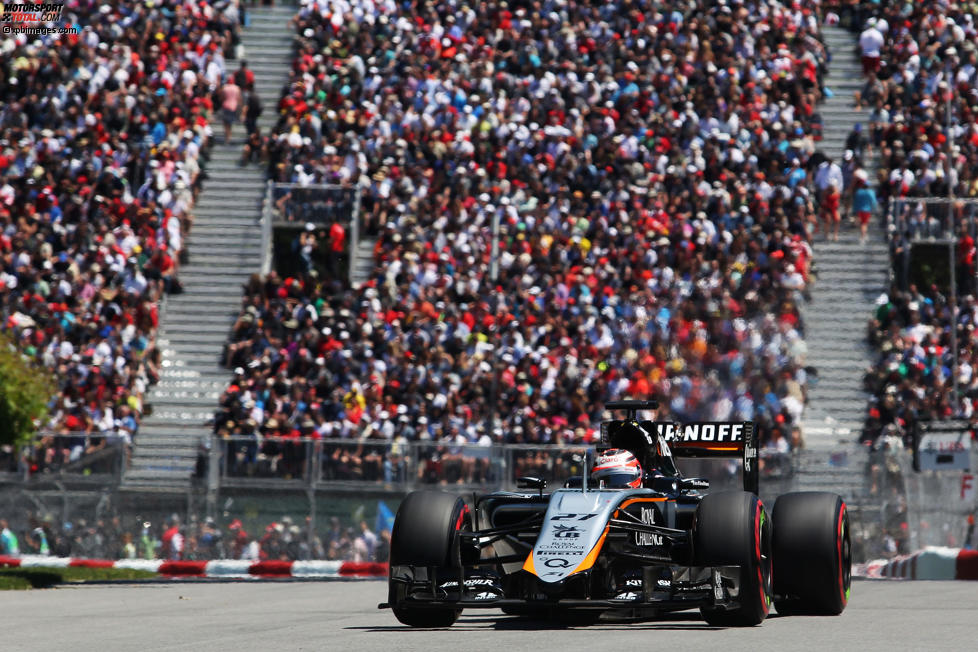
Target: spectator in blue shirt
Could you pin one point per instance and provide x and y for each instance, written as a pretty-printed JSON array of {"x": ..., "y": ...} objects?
[
  {"x": 863, "y": 203},
  {"x": 8, "y": 540}
]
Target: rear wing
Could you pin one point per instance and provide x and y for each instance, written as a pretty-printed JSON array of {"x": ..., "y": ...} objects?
[{"x": 716, "y": 439}]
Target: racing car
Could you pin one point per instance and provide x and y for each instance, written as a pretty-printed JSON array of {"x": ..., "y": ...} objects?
[{"x": 630, "y": 535}]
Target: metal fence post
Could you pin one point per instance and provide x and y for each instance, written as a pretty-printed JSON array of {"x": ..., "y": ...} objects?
[
  {"x": 411, "y": 465},
  {"x": 354, "y": 233},
  {"x": 311, "y": 530},
  {"x": 308, "y": 463},
  {"x": 316, "y": 472},
  {"x": 214, "y": 458},
  {"x": 404, "y": 471},
  {"x": 266, "y": 229},
  {"x": 953, "y": 264}
]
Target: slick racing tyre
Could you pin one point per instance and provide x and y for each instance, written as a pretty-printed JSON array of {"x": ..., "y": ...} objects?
[
  {"x": 731, "y": 528},
  {"x": 424, "y": 535},
  {"x": 812, "y": 554}
]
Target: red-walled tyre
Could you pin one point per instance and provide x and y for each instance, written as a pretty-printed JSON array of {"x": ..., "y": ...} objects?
[
  {"x": 812, "y": 554},
  {"x": 731, "y": 528},
  {"x": 424, "y": 535}
]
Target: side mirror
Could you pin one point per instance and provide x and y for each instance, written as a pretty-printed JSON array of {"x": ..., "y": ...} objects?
[
  {"x": 664, "y": 484},
  {"x": 531, "y": 482}
]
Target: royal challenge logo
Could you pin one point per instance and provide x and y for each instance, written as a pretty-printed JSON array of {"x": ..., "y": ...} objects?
[{"x": 33, "y": 19}]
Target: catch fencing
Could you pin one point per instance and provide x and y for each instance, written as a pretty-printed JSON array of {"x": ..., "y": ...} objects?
[
  {"x": 101, "y": 457},
  {"x": 892, "y": 508},
  {"x": 405, "y": 466},
  {"x": 305, "y": 487},
  {"x": 939, "y": 504},
  {"x": 933, "y": 218}
]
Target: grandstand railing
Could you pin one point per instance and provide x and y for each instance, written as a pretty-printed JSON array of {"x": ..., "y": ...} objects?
[
  {"x": 307, "y": 462},
  {"x": 66, "y": 454},
  {"x": 933, "y": 218},
  {"x": 403, "y": 466},
  {"x": 391, "y": 465}
]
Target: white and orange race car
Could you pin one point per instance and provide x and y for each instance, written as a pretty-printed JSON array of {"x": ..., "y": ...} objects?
[{"x": 614, "y": 539}]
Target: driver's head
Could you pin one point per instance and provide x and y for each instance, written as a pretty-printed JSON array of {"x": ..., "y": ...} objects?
[{"x": 616, "y": 469}]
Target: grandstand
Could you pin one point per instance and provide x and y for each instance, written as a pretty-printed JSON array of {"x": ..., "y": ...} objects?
[
  {"x": 456, "y": 233},
  {"x": 226, "y": 247}
]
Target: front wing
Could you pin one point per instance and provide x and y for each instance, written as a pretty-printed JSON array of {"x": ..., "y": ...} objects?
[
  {"x": 490, "y": 573},
  {"x": 713, "y": 592}
]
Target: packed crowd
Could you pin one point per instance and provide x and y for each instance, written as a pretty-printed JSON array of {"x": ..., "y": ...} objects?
[
  {"x": 911, "y": 379},
  {"x": 347, "y": 539},
  {"x": 921, "y": 61},
  {"x": 649, "y": 169},
  {"x": 103, "y": 135}
]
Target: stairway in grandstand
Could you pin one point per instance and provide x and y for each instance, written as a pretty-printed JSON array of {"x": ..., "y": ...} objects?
[
  {"x": 850, "y": 277},
  {"x": 224, "y": 248},
  {"x": 363, "y": 261}
]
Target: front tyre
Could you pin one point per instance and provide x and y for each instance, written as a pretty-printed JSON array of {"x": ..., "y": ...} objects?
[
  {"x": 731, "y": 528},
  {"x": 812, "y": 554},
  {"x": 425, "y": 536}
]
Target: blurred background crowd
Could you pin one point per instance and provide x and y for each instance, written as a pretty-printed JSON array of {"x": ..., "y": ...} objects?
[
  {"x": 650, "y": 172},
  {"x": 103, "y": 135},
  {"x": 653, "y": 172},
  {"x": 343, "y": 539},
  {"x": 922, "y": 87}
]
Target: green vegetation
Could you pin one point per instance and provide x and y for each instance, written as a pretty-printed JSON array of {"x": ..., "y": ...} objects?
[
  {"x": 10, "y": 582},
  {"x": 104, "y": 574},
  {"x": 14, "y": 579},
  {"x": 25, "y": 389}
]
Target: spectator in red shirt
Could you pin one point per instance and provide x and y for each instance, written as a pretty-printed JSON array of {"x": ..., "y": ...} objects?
[
  {"x": 337, "y": 248},
  {"x": 172, "y": 540},
  {"x": 244, "y": 78},
  {"x": 230, "y": 107}
]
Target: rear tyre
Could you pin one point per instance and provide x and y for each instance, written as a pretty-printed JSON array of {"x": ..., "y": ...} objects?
[
  {"x": 812, "y": 554},
  {"x": 424, "y": 535},
  {"x": 731, "y": 528}
]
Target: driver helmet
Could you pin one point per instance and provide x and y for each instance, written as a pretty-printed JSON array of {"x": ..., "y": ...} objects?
[{"x": 617, "y": 469}]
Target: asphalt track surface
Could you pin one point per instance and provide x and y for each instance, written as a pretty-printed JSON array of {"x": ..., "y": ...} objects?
[{"x": 343, "y": 616}]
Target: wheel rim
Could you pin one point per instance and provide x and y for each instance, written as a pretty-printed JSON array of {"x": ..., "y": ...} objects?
[
  {"x": 764, "y": 559},
  {"x": 845, "y": 556}
]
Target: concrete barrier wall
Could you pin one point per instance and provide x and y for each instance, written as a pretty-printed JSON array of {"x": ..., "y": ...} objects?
[
  {"x": 967, "y": 565},
  {"x": 931, "y": 563},
  {"x": 227, "y": 568}
]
